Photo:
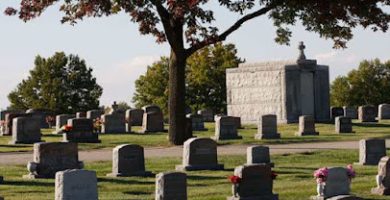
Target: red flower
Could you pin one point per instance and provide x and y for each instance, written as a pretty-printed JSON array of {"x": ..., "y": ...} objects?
[
  {"x": 273, "y": 175},
  {"x": 67, "y": 128},
  {"x": 234, "y": 179}
]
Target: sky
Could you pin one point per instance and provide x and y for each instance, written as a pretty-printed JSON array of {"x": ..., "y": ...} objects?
[{"x": 118, "y": 54}]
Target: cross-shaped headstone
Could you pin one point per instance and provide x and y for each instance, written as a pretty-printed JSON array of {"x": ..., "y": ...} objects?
[{"x": 301, "y": 48}]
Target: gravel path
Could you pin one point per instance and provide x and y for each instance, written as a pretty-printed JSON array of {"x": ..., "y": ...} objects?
[{"x": 106, "y": 154}]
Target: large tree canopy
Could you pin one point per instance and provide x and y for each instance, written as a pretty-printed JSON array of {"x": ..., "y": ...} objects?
[
  {"x": 60, "y": 83},
  {"x": 188, "y": 25},
  {"x": 205, "y": 80},
  {"x": 367, "y": 85}
]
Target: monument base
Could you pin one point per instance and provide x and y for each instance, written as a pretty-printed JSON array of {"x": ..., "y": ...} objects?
[
  {"x": 265, "y": 197},
  {"x": 380, "y": 191},
  {"x": 141, "y": 173},
  {"x": 307, "y": 133},
  {"x": 267, "y": 136},
  {"x": 199, "y": 167}
]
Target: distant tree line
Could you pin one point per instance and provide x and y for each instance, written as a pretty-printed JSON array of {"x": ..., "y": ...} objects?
[{"x": 369, "y": 84}]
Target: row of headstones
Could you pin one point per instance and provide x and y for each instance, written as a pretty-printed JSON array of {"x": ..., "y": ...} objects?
[{"x": 365, "y": 113}]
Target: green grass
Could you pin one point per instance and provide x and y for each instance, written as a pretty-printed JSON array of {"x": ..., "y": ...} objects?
[
  {"x": 295, "y": 181},
  {"x": 379, "y": 130}
]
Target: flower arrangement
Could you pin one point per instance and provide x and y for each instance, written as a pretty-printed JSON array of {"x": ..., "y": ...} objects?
[
  {"x": 351, "y": 172},
  {"x": 97, "y": 124},
  {"x": 234, "y": 179},
  {"x": 273, "y": 175},
  {"x": 321, "y": 174},
  {"x": 67, "y": 128},
  {"x": 49, "y": 120}
]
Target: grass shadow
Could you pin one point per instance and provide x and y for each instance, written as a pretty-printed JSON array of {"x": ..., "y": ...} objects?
[
  {"x": 27, "y": 183},
  {"x": 124, "y": 181}
]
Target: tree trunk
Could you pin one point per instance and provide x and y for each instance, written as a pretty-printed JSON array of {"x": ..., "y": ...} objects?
[{"x": 176, "y": 103}]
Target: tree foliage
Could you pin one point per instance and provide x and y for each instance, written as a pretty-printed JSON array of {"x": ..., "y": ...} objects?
[
  {"x": 61, "y": 83},
  {"x": 369, "y": 84},
  {"x": 205, "y": 80},
  {"x": 189, "y": 25}
]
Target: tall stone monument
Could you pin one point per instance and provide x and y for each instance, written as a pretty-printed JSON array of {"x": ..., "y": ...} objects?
[{"x": 287, "y": 89}]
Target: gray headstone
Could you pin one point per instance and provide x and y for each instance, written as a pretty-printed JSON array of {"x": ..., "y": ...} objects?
[
  {"x": 62, "y": 120},
  {"x": 81, "y": 114},
  {"x": 5, "y": 112},
  {"x": 207, "y": 114},
  {"x": 197, "y": 122},
  {"x": 335, "y": 112},
  {"x": 114, "y": 123},
  {"x": 343, "y": 124},
  {"x": 93, "y": 114},
  {"x": 350, "y": 112},
  {"x": 383, "y": 177},
  {"x": 384, "y": 111},
  {"x": 226, "y": 128},
  {"x": 171, "y": 186},
  {"x": 52, "y": 157},
  {"x": 82, "y": 131},
  {"x": 367, "y": 114},
  {"x": 258, "y": 155},
  {"x": 134, "y": 117},
  {"x": 371, "y": 151},
  {"x": 9, "y": 121},
  {"x": 26, "y": 130},
  {"x": 153, "y": 120},
  {"x": 128, "y": 160},
  {"x": 200, "y": 154},
  {"x": 76, "y": 184},
  {"x": 306, "y": 126},
  {"x": 267, "y": 128},
  {"x": 256, "y": 183},
  {"x": 41, "y": 114},
  {"x": 337, "y": 182}
]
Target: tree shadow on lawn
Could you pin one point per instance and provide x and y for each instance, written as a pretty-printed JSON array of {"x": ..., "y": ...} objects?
[
  {"x": 28, "y": 183},
  {"x": 197, "y": 177},
  {"x": 137, "y": 193},
  {"x": 15, "y": 145},
  {"x": 371, "y": 124},
  {"x": 122, "y": 180}
]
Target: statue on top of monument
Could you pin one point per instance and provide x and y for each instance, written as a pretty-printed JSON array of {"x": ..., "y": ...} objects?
[{"x": 301, "y": 48}]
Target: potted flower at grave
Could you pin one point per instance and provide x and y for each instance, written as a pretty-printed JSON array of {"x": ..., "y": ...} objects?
[
  {"x": 50, "y": 120},
  {"x": 351, "y": 172},
  {"x": 97, "y": 125},
  {"x": 235, "y": 180},
  {"x": 320, "y": 175},
  {"x": 273, "y": 175},
  {"x": 67, "y": 128}
]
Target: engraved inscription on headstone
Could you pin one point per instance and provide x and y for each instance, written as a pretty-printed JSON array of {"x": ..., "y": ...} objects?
[{"x": 171, "y": 186}]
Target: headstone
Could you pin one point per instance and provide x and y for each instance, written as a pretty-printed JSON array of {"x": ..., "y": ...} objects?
[
  {"x": 367, "y": 114},
  {"x": 1, "y": 179},
  {"x": 197, "y": 122},
  {"x": 171, "y": 186},
  {"x": 9, "y": 121},
  {"x": 337, "y": 184},
  {"x": 5, "y": 112},
  {"x": 113, "y": 123},
  {"x": 258, "y": 155},
  {"x": 335, "y": 112},
  {"x": 238, "y": 122},
  {"x": 267, "y": 128},
  {"x": 81, "y": 114},
  {"x": 226, "y": 128},
  {"x": 128, "y": 160},
  {"x": 1, "y": 198},
  {"x": 41, "y": 114},
  {"x": 306, "y": 126},
  {"x": 384, "y": 111},
  {"x": 76, "y": 184},
  {"x": 343, "y": 124},
  {"x": 26, "y": 130},
  {"x": 52, "y": 157},
  {"x": 82, "y": 131},
  {"x": 153, "y": 120},
  {"x": 200, "y": 154},
  {"x": 207, "y": 114},
  {"x": 134, "y": 117},
  {"x": 93, "y": 114},
  {"x": 383, "y": 177},
  {"x": 350, "y": 112},
  {"x": 371, "y": 151},
  {"x": 62, "y": 120},
  {"x": 189, "y": 133},
  {"x": 256, "y": 183}
]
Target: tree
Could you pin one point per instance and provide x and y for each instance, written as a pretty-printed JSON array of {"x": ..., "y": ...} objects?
[
  {"x": 205, "y": 80},
  {"x": 187, "y": 25},
  {"x": 61, "y": 83},
  {"x": 369, "y": 84}
]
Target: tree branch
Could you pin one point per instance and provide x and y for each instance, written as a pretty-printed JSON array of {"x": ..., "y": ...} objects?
[{"x": 230, "y": 30}]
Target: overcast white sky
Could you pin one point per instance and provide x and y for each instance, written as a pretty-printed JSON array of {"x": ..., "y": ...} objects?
[{"x": 118, "y": 54}]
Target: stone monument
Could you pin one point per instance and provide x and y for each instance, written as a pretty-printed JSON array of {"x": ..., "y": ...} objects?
[
  {"x": 82, "y": 131},
  {"x": 343, "y": 124},
  {"x": 171, "y": 186},
  {"x": 384, "y": 111},
  {"x": 306, "y": 126},
  {"x": 62, "y": 120},
  {"x": 113, "y": 123},
  {"x": 153, "y": 120},
  {"x": 371, "y": 151},
  {"x": 76, "y": 184},
  {"x": 350, "y": 112},
  {"x": 267, "y": 128},
  {"x": 288, "y": 89},
  {"x": 335, "y": 112},
  {"x": 26, "y": 130},
  {"x": 367, "y": 114},
  {"x": 258, "y": 155},
  {"x": 383, "y": 177},
  {"x": 226, "y": 128}
]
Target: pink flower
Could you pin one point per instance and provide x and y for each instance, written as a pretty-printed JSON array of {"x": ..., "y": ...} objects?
[
  {"x": 350, "y": 171},
  {"x": 321, "y": 174}
]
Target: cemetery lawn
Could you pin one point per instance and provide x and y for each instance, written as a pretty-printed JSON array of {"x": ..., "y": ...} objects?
[
  {"x": 327, "y": 134},
  {"x": 294, "y": 181}
]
